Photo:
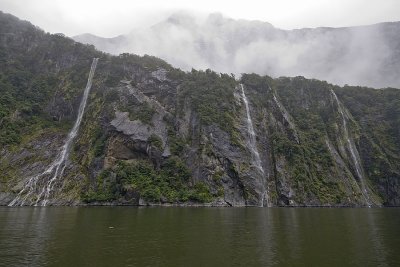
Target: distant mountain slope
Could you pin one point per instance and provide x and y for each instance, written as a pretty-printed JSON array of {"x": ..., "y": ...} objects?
[
  {"x": 366, "y": 55},
  {"x": 153, "y": 134}
]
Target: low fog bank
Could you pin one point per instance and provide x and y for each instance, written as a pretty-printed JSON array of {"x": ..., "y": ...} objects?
[{"x": 365, "y": 55}]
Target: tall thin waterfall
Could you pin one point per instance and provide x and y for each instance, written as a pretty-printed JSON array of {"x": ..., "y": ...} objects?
[
  {"x": 47, "y": 179},
  {"x": 353, "y": 151},
  {"x": 253, "y": 146},
  {"x": 286, "y": 115}
]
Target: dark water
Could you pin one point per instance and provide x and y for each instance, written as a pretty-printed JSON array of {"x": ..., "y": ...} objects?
[{"x": 129, "y": 236}]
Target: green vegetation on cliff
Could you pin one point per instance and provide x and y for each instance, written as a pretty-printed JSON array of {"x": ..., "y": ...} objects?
[
  {"x": 211, "y": 96},
  {"x": 181, "y": 156},
  {"x": 168, "y": 184}
]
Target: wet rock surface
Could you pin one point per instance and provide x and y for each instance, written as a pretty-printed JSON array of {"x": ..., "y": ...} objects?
[{"x": 154, "y": 135}]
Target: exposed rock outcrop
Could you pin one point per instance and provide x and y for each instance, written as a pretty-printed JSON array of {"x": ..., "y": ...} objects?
[{"x": 155, "y": 135}]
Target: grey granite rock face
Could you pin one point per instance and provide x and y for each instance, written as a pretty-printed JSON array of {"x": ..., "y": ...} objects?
[
  {"x": 298, "y": 131},
  {"x": 5, "y": 198},
  {"x": 160, "y": 74},
  {"x": 135, "y": 129},
  {"x": 227, "y": 158},
  {"x": 30, "y": 161},
  {"x": 138, "y": 130}
]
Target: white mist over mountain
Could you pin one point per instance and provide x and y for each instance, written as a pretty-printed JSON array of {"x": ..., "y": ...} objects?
[
  {"x": 366, "y": 55},
  {"x": 110, "y": 18}
]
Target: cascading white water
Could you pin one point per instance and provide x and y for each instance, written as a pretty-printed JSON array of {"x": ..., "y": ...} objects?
[
  {"x": 353, "y": 150},
  {"x": 281, "y": 108},
  {"x": 253, "y": 145},
  {"x": 286, "y": 115},
  {"x": 56, "y": 169}
]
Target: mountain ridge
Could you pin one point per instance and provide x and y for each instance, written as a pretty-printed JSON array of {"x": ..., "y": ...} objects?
[
  {"x": 345, "y": 55},
  {"x": 153, "y": 134}
]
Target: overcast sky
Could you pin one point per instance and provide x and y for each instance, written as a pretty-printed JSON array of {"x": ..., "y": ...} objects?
[{"x": 112, "y": 17}]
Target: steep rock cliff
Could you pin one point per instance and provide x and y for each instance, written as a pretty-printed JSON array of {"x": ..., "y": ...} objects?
[{"x": 153, "y": 134}]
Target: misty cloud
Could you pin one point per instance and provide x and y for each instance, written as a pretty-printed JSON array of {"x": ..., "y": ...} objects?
[{"x": 367, "y": 55}]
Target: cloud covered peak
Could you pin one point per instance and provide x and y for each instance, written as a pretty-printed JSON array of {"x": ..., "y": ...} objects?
[{"x": 367, "y": 55}]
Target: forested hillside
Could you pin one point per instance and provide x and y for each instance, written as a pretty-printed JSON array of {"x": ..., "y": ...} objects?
[{"x": 154, "y": 134}]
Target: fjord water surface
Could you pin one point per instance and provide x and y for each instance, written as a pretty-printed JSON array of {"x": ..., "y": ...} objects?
[{"x": 166, "y": 236}]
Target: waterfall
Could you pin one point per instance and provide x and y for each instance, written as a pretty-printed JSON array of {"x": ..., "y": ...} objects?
[
  {"x": 56, "y": 169},
  {"x": 353, "y": 151},
  {"x": 253, "y": 145},
  {"x": 285, "y": 115}
]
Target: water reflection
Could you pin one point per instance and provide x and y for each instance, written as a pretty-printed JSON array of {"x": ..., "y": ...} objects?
[
  {"x": 378, "y": 249},
  {"x": 128, "y": 236},
  {"x": 26, "y": 234}
]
